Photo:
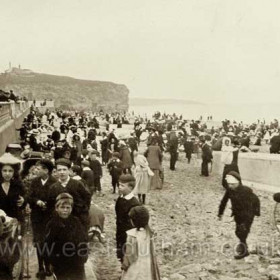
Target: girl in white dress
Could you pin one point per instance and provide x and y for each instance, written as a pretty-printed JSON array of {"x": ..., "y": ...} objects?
[
  {"x": 139, "y": 261},
  {"x": 142, "y": 174}
]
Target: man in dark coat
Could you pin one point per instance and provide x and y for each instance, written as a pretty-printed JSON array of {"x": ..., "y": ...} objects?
[
  {"x": 138, "y": 131},
  {"x": 65, "y": 184},
  {"x": 55, "y": 135},
  {"x": 96, "y": 167},
  {"x": 125, "y": 157},
  {"x": 245, "y": 206},
  {"x": 275, "y": 144},
  {"x": 173, "y": 147},
  {"x": 104, "y": 148},
  {"x": 41, "y": 211},
  {"x": 4, "y": 96},
  {"x": 206, "y": 157},
  {"x": 188, "y": 146},
  {"x": 33, "y": 142},
  {"x": 87, "y": 175},
  {"x": 133, "y": 145}
]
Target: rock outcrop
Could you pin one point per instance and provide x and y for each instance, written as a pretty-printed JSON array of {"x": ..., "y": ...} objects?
[{"x": 67, "y": 92}]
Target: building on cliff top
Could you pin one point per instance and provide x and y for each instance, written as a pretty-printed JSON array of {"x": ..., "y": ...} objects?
[{"x": 17, "y": 70}]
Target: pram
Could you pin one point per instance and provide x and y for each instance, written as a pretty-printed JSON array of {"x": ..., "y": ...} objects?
[{"x": 11, "y": 248}]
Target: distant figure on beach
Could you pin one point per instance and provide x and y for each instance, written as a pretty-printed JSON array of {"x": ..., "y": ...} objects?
[
  {"x": 188, "y": 146},
  {"x": 206, "y": 157},
  {"x": 173, "y": 147}
]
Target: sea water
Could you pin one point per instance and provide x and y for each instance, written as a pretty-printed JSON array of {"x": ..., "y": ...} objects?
[{"x": 248, "y": 113}]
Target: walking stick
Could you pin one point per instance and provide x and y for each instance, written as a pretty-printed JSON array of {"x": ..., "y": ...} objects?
[
  {"x": 27, "y": 248},
  {"x": 276, "y": 215}
]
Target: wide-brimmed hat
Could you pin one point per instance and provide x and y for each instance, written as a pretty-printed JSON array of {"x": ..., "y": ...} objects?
[
  {"x": 9, "y": 159},
  {"x": 35, "y": 131},
  {"x": 46, "y": 163},
  {"x": 25, "y": 154}
]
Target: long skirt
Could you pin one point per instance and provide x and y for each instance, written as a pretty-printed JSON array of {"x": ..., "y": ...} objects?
[{"x": 156, "y": 181}]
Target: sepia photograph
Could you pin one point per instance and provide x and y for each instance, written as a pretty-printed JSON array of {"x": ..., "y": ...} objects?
[{"x": 140, "y": 140}]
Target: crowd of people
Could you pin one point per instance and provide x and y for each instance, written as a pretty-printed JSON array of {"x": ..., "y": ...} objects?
[{"x": 72, "y": 150}]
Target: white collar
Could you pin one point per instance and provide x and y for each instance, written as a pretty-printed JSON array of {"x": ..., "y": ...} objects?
[
  {"x": 128, "y": 196},
  {"x": 86, "y": 168},
  {"x": 64, "y": 184},
  {"x": 44, "y": 181}
]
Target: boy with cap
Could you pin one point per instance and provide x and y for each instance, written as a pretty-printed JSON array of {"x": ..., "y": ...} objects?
[
  {"x": 67, "y": 239},
  {"x": 66, "y": 184},
  {"x": 115, "y": 168},
  {"x": 125, "y": 202},
  {"x": 96, "y": 167},
  {"x": 245, "y": 206},
  {"x": 41, "y": 211}
]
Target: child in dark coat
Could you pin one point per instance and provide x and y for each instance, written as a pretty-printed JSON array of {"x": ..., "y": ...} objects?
[
  {"x": 245, "y": 206},
  {"x": 67, "y": 239},
  {"x": 125, "y": 202},
  {"x": 96, "y": 167},
  {"x": 115, "y": 168},
  {"x": 88, "y": 176}
]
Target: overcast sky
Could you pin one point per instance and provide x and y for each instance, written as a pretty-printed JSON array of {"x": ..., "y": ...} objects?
[{"x": 204, "y": 50}]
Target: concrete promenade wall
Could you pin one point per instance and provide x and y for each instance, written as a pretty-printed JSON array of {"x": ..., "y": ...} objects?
[
  {"x": 13, "y": 121},
  {"x": 259, "y": 170}
]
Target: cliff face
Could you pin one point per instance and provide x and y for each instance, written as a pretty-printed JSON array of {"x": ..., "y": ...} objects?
[{"x": 65, "y": 91}]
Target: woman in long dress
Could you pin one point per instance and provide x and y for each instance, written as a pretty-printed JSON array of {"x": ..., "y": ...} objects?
[{"x": 154, "y": 158}]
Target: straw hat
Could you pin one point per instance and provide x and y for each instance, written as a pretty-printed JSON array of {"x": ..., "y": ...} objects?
[
  {"x": 9, "y": 159},
  {"x": 35, "y": 131},
  {"x": 25, "y": 154}
]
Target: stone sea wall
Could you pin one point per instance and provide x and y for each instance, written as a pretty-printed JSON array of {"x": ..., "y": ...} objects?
[
  {"x": 11, "y": 118},
  {"x": 259, "y": 170}
]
